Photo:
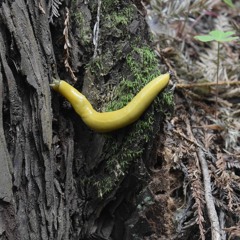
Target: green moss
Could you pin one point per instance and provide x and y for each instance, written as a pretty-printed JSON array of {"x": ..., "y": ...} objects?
[
  {"x": 85, "y": 34},
  {"x": 123, "y": 17},
  {"x": 102, "y": 64},
  {"x": 142, "y": 65},
  {"x": 108, "y": 5},
  {"x": 116, "y": 22}
]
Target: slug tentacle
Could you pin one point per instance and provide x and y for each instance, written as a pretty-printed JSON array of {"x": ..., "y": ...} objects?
[
  {"x": 55, "y": 84},
  {"x": 110, "y": 121}
]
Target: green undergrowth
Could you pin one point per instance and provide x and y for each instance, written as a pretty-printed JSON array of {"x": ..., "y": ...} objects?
[
  {"x": 116, "y": 12},
  {"x": 142, "y": 65},
  {"x": 122, "y": 16}
]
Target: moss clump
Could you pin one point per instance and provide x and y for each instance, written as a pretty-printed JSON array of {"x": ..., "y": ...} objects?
[
  {"x": 115, "y": 23},
  {"x": 143, "y": 67},
  {"x": 102, "y": 64},
  {"x": 119, "y": 10},
  {"x": 109, "y": 5},
  {"x": 84, "y": 31},
  {"x": 123, "y": 17}
]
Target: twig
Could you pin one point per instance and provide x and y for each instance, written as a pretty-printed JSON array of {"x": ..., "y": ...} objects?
[
  {"x": 222, "y": 217},
  {"x": 96, "y": 29},
  {"x": 218, "y": 60},
  {"x": 212, "y": 213},
  {"x": 207, "y": 84}
]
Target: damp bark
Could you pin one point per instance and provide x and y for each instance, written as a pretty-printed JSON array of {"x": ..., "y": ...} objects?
[{"x": 58, "y": 179}]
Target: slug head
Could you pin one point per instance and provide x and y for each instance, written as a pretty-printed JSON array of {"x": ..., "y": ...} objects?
[{"x": 55, "y": 84}]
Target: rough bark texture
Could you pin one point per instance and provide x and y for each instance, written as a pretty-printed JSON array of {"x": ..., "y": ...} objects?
[{"x": 55, "y": 179}]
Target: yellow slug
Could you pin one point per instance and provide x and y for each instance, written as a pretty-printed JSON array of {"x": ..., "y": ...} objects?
[{"x": 110, "y": 121}]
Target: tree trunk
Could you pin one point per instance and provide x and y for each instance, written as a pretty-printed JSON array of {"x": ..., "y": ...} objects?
[{"x": 59, "y": 179}]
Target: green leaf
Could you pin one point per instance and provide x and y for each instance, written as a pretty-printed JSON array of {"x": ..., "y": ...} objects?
[
  {"x": 217, "y": 35},
  {"x": 222, "y": 36},
  {"x": 229, "y": 39},
  {"x": 204, "y": 38},
  {"x": 229, "y": 3}
]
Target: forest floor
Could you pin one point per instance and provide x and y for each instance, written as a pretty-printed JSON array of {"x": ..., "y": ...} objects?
[{"x": 199, "y": 179}]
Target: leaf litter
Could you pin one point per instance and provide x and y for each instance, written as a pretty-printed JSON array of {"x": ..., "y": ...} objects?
[{"x": 200, "y": 148}]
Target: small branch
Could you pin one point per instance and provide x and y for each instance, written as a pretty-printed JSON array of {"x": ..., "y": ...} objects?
[
  {"x": 222, "y": 224},
  {"x": 212, "y": 213},
  {"x": 207, "y": 84},
  {"x": 218, "y": 60},
  {"x": 96, "y": 29}
]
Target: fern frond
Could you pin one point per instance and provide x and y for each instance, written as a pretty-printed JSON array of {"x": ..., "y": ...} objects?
[
  {"x": 226, "y": 185},
  {"x": 233, "y": 231},
  {"x": 54, "y": 6},
  {"x": 233, "y": 164},
  {"x": 198, "y": 196}
]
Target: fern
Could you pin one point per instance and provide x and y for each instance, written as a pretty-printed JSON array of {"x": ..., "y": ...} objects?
[
  {"x": 54, "y": 9},
  {"x": 194, "y": 174}
]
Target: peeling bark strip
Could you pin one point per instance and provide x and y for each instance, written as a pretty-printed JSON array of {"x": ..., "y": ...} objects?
[
  {"x": 25, "y": 55},
  {"x": 31, "y": 64},
  {"x": 8, "y": 219},
  {"x": 5, "y": 163}
]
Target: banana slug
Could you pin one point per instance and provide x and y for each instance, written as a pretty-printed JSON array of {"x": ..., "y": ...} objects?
[{"x": 110, "y": 121}]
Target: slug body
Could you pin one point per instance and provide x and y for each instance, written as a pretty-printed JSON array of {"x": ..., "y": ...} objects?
[{"x": 110, "y": 121}]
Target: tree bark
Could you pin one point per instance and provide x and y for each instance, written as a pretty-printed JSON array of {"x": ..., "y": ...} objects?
[{"x": 53, "y": 167}]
